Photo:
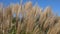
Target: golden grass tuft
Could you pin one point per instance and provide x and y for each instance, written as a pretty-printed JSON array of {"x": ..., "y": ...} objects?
[{"x": 28, "y": 20}]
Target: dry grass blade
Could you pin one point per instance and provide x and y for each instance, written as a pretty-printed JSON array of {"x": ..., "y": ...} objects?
[{"x": 55, "y": 29}]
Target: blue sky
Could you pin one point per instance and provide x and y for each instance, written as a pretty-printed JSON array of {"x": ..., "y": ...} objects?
[{"x": 55, "y": 4}]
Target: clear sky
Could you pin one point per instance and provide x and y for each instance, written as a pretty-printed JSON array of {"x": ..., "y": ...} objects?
[{"x": 55, "y": 4}]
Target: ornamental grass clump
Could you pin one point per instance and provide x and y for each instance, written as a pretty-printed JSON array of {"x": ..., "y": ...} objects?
[{"x": 28, "y": 19}]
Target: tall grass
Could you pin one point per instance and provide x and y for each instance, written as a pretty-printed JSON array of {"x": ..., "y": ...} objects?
[{"x": 28, "y": 20}]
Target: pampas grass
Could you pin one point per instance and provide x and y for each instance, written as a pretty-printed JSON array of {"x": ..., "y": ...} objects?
[{"x": 29, "y": 19}]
